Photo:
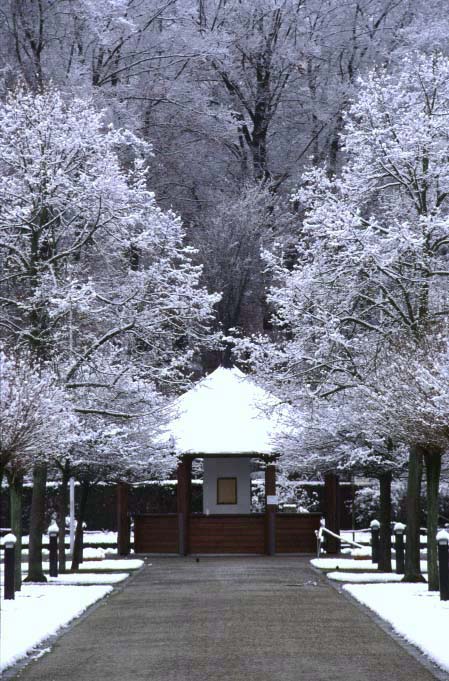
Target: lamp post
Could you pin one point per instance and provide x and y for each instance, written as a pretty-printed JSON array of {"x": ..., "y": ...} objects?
[
  {"x": 9, "y": 543},
  {"x": 443, "y": 563},
  {"x": 399, "y": 529},
  {"x": 375, "y": 527},
  {"x": 53, "y": 531}
]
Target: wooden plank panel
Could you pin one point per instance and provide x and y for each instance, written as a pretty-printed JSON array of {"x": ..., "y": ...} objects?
[
  {"x": 156, "y": 534},
  {"x": 295, "y": 533},
  {"x": 227, "y": 534}
]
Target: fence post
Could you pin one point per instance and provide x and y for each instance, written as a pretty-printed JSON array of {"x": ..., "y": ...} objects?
[
  {"x": 9, "y": 542},
  {"x": 399, "y": 529},
  {"x": 375, "y": 527},
  {"x": 53, "y": 531},
  {"x": 332, "y": 508},
  {"x": 319, "y": 537},
  {"x": 443, "y": 563}
]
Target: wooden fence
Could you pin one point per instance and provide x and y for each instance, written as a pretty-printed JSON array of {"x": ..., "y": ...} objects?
[{"x": 227, "y": 534}]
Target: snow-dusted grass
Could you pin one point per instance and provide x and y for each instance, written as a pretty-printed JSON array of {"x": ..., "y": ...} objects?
[
  {"x": 89, "y": 536},
  {"x": 40, "y": 610},
  {"x": 343, "y": 564},
  {"x": 415, "y": 613},
  {"x": 77, "y": 578},
  {"x": 365, "y": 577},
  {"x": 357, "y": 536},
  {"x": 37, "y": 612},
  {"x": 352, "y": 564},
  {"x": 108, "y": 564},
  {"x": 113, "y": 564}
]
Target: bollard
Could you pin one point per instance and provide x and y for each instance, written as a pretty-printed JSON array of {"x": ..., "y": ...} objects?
[
  {"x": 399, "y": 529},
  {"x": 9, "y": 543},
  {"x": 443, "y": 563},
  {"x": 375, "y": 527},
  {"x": 53, "y": 531}
]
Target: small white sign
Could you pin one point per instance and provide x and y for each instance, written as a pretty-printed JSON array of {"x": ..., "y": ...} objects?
[{"x": 272, "y": 499}]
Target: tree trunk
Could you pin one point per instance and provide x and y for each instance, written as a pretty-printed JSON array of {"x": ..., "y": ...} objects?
[
  {"x": 15, "y": 511},
  {"x": 432, "y": 462},
  {"x": 85, "y": 486},
  {"x": 412, "y": 556},
  {"x": 385, "y": 522},
  {"x": 37, "y": 521},
  {"x": 62, "y": 513}
]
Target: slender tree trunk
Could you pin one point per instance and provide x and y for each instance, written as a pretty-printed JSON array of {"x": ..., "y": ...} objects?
[
  {"x": 432, "y": 462},
  {"x": 385, "y": 522},
  {"x": 84, "y": 492},
  {"x": 37, "y": 521},
  {"x": 412, "y": 554},
  {"x": 62, "y": 513},
  {"x": 15, "y": 510}
]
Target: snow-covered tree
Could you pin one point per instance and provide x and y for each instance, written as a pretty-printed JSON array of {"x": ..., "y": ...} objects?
[
  {"x": 37, "y": 422},
  {"x": 33, "y": 408},
  {"x": 408, "y": 397},
  {"x": 95, "y": 278},
  {"x": 372, "y": 249},
  {"x": 88, "y": 257}
]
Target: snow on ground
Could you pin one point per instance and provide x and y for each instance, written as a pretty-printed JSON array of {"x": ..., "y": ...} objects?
[
  {"x": 365, "y": 577},
  {"x": 88, "y": 578},
  {"x": 357, "y": 536},
  {"x": 89, "y": 537},
  {"x": 37, "y": 612},
  {"x": 351, "y": 564},
  {"x": 343, "y": 564},
  {"x": 93, "y": 554},
  {"x": 414, "y": 612},
  {"x": 112, "y": 564}
]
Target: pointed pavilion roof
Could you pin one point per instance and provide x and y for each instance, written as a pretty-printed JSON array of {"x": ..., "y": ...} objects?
[{"x": 226, "y": 413}]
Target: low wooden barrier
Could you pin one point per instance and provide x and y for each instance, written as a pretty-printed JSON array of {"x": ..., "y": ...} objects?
[
  {"x": 228, "y": 534},
  {"x": 295, "y": 532},
  {"x": 156, "y": 533}
]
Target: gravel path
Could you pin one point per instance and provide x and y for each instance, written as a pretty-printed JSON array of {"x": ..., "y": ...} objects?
[{"x": 227, "y": 619}]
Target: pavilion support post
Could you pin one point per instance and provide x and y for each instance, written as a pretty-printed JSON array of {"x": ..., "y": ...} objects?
[
  {"x": 123, "y": 524},
  {"x": 332, "y": 510},
  {"x": 270, "y": 510},
  {"x": 183, "y": 498}
]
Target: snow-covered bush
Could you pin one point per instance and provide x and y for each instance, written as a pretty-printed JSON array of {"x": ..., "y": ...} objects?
[
  {"x": 289, "y": 492},
  {"x": 367, "y": 503}
]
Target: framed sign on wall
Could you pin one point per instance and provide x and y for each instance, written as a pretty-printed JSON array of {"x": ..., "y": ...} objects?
[{"x": 226, "y": 490}]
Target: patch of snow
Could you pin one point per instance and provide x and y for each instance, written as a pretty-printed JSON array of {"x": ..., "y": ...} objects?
[
  {"x": 414, "y": 612},
  {"x": 111, "y": 564},
  {"x": 88, "y": 578},
  {"x": 37, "y": 612},
  {"x": 361, "y": 553},
  {"x": 89, "y": 554},
  {"x": 352, "y": 564},
  {"x": 343, "y": 564},
  {"x": 365, "y": 577}
]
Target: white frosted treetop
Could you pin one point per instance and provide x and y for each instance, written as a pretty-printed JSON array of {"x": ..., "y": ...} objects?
[{"x": 226, "y": 413}]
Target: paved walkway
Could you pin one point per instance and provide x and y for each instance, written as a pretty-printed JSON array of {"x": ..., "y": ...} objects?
[{"x": 227, "y": 619}]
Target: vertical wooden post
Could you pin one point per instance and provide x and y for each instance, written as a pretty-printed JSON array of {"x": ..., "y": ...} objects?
[
  {"x": 332, "y": 510},
  {"x": 9, "y": 565},
  {"x": 183, "y": 498},
  {"x": 123, "y": 525},
  {"x": 270, "y": 510}
]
